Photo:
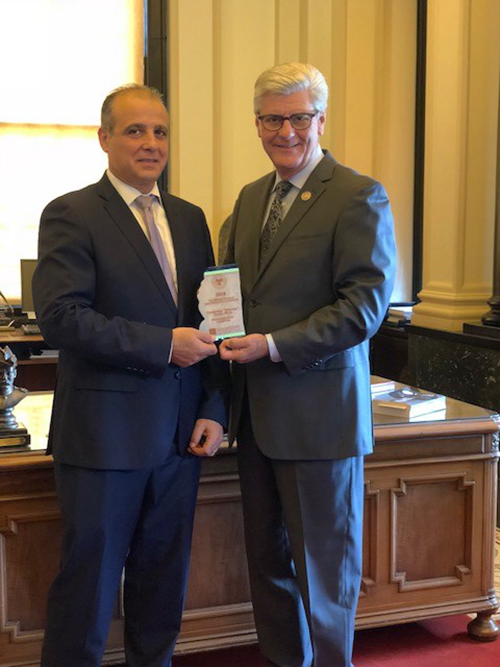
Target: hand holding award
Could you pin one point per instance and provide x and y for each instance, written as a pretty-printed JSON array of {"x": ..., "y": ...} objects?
[{"x": 220, "y": 304}]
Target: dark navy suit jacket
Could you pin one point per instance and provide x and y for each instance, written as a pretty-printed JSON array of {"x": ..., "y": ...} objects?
[{"x": 102, "y": 299}]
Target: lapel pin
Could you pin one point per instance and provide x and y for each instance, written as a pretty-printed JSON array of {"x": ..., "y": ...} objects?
[{"x": 305, "y": 196}]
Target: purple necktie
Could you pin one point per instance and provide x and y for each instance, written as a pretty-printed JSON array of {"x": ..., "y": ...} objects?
[{"x": 145, "y": 203}]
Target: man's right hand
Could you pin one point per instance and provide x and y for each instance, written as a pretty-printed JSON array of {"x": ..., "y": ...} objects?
[{"x": 190, "y": 346}]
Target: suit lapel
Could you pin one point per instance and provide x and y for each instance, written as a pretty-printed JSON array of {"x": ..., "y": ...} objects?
[
  {"x": 309, "y": 194},
  {"x": 124, "y": 219},
  {"x": 181, "y": 248}
]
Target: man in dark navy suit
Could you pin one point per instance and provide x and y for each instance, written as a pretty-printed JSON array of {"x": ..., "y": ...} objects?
[{"x": 140, "y": 391}]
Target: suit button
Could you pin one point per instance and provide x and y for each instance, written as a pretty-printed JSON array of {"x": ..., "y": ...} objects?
[
  {"x": 253, "y": 303},
  {"x": 177, "y": 375}
]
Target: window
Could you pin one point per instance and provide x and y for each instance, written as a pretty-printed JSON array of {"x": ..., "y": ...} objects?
[{"x": 58, "y": 60}]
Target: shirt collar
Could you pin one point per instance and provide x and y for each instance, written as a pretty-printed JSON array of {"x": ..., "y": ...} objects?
[
  {"x": 301, "y": 177},
  {"x": 127, "y": 192}
]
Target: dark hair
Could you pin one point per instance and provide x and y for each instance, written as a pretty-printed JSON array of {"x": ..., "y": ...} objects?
[{"x": 107, "y": 118}]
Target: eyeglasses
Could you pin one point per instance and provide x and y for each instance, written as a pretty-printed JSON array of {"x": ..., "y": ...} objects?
[{"x": 299, "y": 121}]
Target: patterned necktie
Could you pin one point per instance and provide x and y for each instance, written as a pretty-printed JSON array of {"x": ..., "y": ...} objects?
[
  {"x": 145, "y": 203},
  {"x": 274, "y": 219}
]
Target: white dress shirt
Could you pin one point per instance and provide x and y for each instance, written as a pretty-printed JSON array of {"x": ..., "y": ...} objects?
[{"x": 129, "y": 194}]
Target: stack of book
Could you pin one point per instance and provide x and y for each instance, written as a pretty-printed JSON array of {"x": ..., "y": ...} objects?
[
  {"x": 6, "y": 319},
  {"x": 6, "y": 325},
  {"x": 381, "y": 385},
  {"x": 407, "y": 403},
  {"x": 398, "y": 317}
]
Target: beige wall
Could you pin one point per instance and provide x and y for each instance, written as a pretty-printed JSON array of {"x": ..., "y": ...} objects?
[{"x": 365, "y": 48}]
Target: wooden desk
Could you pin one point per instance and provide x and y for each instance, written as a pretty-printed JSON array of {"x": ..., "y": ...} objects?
[
  {"x": 16, "y": 336},
  {"x": 429, "y": 536}
]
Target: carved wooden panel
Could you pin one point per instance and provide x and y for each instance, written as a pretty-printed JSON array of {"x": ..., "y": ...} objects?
[
  {"x": 431, "y": 531},
  {"x": 29, "y": 556},
  {"x": 370, "y": 540},
  {"x": 221, "y": 579}
]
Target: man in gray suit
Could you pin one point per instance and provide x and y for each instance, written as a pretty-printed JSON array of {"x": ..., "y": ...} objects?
[{"x": 315, "y": 247}]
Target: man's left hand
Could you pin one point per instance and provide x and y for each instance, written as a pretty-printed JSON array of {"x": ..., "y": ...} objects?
[
  {"x": 244, "y": 349},
  {"x": 206, "y": 437}
]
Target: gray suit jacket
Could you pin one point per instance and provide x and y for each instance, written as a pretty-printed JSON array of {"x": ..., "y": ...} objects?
[{"x": 322, "y": 292}]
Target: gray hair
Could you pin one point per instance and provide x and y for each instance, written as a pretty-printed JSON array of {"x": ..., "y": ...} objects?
[
  {"x": 107, "y": 118},
  {"x": 289, "y": 78}
]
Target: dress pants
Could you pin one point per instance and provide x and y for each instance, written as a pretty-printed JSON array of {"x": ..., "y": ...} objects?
[
  {"x": 303, "y": 533},
  {"x": 140, "y": 520}
]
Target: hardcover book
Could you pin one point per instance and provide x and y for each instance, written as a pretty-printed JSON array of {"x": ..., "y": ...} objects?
[
  {"x": 408, "y": 402},
  {"x": 380, "y": 385}
]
